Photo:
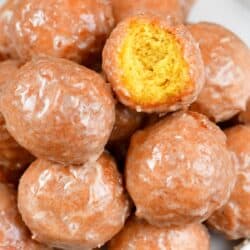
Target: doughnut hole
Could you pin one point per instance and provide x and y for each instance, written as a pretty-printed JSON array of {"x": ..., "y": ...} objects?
[{"x": 153, "y": 66}]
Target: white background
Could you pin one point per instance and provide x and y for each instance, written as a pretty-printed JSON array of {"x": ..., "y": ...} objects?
[{"x": 233, "y": 14}]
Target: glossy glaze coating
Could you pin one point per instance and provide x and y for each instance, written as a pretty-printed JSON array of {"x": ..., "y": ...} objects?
[
  {"x": 234, "y": 218},
  {"x": 125, "y": 8},
  {"x": 59, "y": 110},
  {"x": 8, "y": 69},
  {"x": 127, "y": 121},
  {"x": 61, "y": 28},
  {"x": 179, "y": 170},
  {"x": 227, "y": 62},
  {"x": 73, "y": 207},
  {"x": 13, "y": 233},
  {"x": 138, "y": 234},
  {"x": 191, "y": 54},
  {"x": 13, "y": 158},
  {"x": 7, "y": 49}
]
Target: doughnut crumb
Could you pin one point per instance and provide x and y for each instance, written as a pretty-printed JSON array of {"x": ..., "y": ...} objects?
[{"x": 153, "y": 66}]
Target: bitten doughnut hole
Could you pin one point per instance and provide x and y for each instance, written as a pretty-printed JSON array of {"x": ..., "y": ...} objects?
[{"x": 153, "y": 66}]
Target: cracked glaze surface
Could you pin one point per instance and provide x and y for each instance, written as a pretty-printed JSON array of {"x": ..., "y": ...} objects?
[
  {"x": 227, "y": 62},
  {"x": 13, "y": 158},
  {"x": 70, "y": 29},
  {"x": 13, "y": 233},
  {"x": 139, "y": 235},
  {"x": 124, "y": 9},
  {"x": 179, "y": 170},
  {"x": 73, "y": 207},
  {"x": 234, "y": 218},
  {"x": 7, "y": 49},
  {"x": 59, "y": 110}
]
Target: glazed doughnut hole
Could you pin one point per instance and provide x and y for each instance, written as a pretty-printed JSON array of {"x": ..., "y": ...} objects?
[
  {"x": 70, "y": 207},
  {"x": 183, "y": 159},
  {"x": 59, "y": 110}
]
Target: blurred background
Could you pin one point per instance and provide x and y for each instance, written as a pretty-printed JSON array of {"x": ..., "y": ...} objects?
[{"x": 233, "y": 14}]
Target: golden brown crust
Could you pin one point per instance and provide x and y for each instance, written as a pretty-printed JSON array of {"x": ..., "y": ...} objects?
[
  {"x": 8, "y": 69},
  {"x": 183, "y": 159},
  {"x": 13, "y": 158},
  {"x": 13, "y": 233},
  {"x": 125, "y": 8},
  {"x": 191, "y": 55},
  {"x": 70, "y": 29},
  {"x": 138, "y": 234},
  {"x": 73, "y": 207},
  {"x": 127, "y": 121},
  {"x": 59, "y": 110},
  {"x": 233, "y": 219},
  {"x": 7, "y": 49},
  {"x": 227, "y": 61}
]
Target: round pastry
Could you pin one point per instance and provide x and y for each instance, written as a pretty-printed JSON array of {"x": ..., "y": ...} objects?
[
  {"x": 59, "y": 110},
  {"x": 233, "y": 219},
  {"x": 73, "y": 30},
  {"x": 7, "y": 49},
  {"x": 244, "y": 116},
  {"x": 227, "y": 62},
  {"x": 13, "y": 233},
  {"x": 127, "y": 121},
  {"x": 13, "y": 158},
  {"x": 73, "y": 207},
  {"x": 125, "y": 8},
  {"x": 179, "y": 170},
  {"x": 153, "y": 64},
  {"x": 138, "y": 234}
]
